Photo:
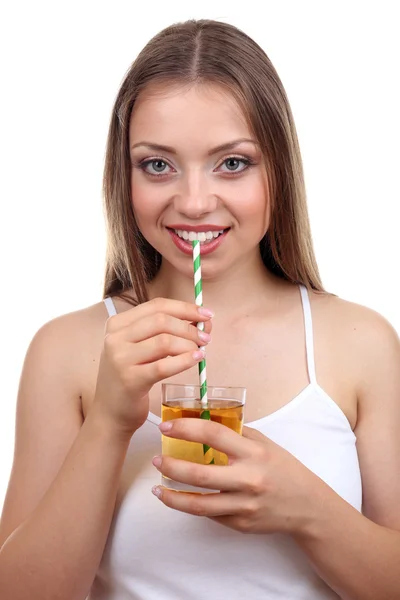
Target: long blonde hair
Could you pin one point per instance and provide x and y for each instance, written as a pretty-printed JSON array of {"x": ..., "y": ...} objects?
[{"x": 210, "y": 52}]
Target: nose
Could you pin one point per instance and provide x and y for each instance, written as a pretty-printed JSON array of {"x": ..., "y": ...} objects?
[{"x": 195, "y": 198}]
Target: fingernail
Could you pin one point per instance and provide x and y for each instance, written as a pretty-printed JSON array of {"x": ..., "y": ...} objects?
[
  {"x": 205, "y": 312},
  {"x": 199, "y": 354},
  {"x": 165, "y": 426},
  {"x": 157, "y": 491},
  {"x": 205, "y": 337},
  {"x": 157, "y": 460}
]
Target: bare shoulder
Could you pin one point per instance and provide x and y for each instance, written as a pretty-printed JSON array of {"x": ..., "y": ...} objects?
[
  {"x": 67, "y": 349},
  {"x": 75, "y": 341},
  {"x": 366, "y": 339},
  {"x": 73, "y": 335},
  {"x": 352, "y": 320},
  {"x": 76, "y": 321}
]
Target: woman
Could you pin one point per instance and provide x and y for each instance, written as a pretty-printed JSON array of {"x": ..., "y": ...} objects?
[{"x": 202, "y": 143}]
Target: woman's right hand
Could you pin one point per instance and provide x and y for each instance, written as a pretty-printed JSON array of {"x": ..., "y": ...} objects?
[{"x": 142, "y": 346}]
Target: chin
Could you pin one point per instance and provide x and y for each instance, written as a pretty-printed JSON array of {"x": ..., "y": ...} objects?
[{"x": 211, "y": 272}]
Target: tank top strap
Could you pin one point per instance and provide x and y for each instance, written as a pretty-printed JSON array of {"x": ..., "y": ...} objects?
[
  {"x": 110, "y": 306},
  {"x": 308, "y": 327}
]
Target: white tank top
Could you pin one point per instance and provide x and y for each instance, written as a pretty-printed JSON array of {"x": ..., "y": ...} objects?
[{"x": 155, "y": 553}]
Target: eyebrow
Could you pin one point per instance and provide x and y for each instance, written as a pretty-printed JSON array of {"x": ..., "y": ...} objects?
[{"x": 171, "y": 150}]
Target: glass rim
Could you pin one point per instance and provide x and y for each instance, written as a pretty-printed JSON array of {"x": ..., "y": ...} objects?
[{"x": 198, "y": 385}]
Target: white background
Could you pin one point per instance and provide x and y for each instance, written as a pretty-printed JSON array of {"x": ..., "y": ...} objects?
[{"x": 61, "y": 65}]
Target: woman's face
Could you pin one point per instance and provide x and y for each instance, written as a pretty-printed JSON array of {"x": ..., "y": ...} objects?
[{"x": 197, "y": 172}]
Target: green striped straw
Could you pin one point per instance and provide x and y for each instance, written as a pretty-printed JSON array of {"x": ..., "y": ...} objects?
[{"x": 198, "y": 293}]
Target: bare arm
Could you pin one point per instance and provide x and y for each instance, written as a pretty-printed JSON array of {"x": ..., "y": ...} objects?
[
  {"x": 58, "y": 510},
  {"x": 65, "y": 475},
  {"x": 359, "y": 555}
]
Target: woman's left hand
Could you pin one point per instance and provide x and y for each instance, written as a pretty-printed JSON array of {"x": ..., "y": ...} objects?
[{"x": 264, "y": 488}]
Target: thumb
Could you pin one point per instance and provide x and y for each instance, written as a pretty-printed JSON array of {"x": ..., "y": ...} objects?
[{"x": 254, "y": 434}]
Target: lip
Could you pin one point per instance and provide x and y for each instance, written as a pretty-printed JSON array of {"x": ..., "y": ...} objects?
[
  {"x": 197, "y": 228},
  {"x": 187, "y": 248}
]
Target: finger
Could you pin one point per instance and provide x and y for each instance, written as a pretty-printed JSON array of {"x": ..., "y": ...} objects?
[
  {"x": 167, "y": 367},
  {"x": 207, "y": 326},
  {"x": 160, "y": 346},
  {"x": 201, "y": 505},
  {"x": 213, "y": 477},
  {"x": 238, "y": 522},
  {"x": 161, "y": 323},
  {"x": 253, "y": 434},
  {"x": 176, "y": 308},
  {"x": 213, "y": 434}
]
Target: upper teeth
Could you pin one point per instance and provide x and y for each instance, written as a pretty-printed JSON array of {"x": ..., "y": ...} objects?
[{"x": 202, "y": 236}]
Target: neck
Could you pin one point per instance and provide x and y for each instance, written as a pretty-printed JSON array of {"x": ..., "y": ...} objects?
[{"x": 241, "y": 288}]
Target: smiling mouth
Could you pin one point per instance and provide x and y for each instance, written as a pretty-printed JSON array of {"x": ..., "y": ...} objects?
[{"x": 204, "y": 237}]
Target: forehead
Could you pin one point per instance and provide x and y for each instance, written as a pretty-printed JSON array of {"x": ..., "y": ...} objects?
[{"x": 202, "y": 110}]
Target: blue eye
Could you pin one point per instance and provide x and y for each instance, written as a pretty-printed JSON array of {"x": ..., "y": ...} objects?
[
  {"x": 232, "y": 164},
  {"x": 156, "y": 166},
  {"x": 235, "y": 164}
]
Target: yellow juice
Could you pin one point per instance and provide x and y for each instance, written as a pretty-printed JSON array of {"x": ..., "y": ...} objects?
[{"x": 227, "y": 412}]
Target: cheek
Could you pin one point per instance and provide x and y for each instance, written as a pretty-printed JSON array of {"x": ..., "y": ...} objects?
[
  {"x": 251, "y": 205},
  {"x": 145, "y": 201}
]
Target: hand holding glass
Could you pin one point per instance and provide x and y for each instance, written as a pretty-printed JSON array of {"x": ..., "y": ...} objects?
[{"x": 225, "y": 406}]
